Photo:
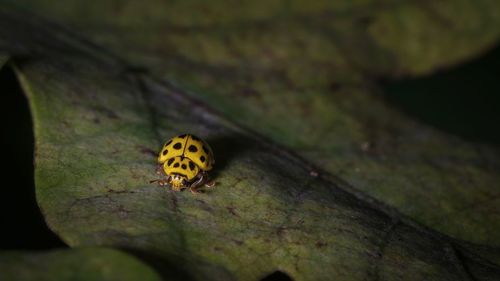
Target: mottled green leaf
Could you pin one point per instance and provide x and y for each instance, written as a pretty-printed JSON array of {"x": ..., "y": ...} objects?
[
  {"x": 99, "y": 122},
  {"x": 331, "y": 37},
  {"x": 301, "y": 73},
  {"x": 95, "y": 131},
  {"x": 85, "y": 264}
]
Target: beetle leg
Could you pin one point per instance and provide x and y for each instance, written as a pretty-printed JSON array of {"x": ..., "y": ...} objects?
[
  {"x": 159, "y": 169},
  {"x": 210, "y": 184},
  {"x": 165, "y": 181},
  {"x": 161, "y": 182},
  {"x": 194, "y": 186}
]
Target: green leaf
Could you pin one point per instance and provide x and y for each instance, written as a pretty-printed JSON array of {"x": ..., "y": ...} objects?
[
  {"x": 94, "y": 133},
  {"x": 98, "y": 124},
  {"x": 86, "y": 264},
  {"x": 293, "y": 37},
  {"x": 302, "y": 74}
]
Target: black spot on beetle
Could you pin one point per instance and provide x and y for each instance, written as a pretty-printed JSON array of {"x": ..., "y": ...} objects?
[
  {"x": 176, "y": 165},
  {"x": 182, "y": 136},
  {"x": 183, "y": 166},
  {"x": 191, "y": 165},
  {"x": 195, "y": 138},
  {"x": 178, "y": 145},
  {"x": 165, "y": 152},
  {"x": 205, "y": 149},
  {"x": 170, "y": 161},
  {"x": 202, "y": 159},
  {"x": 192, "y": 148},
  {"x": 169, "y": 142}
]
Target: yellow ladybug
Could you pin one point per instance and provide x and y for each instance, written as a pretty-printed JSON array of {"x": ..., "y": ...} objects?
[{"x": 185, "y": 161}]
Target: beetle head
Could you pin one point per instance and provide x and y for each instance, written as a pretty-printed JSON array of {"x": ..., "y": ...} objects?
[{"x": 178, "y": 182}]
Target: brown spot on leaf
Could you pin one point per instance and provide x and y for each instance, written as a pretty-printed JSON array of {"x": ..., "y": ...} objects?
[
  {"x": 238, "y": 242},
  {"x": 321, "y": 244},
  {"x": 280, "y": 230},
  {"x": 334, "y": 86},
  {"x": 111, "y": 114},
  {"x": 110, "y": 190},
  {"x": 232, "y": 211},
  {"x": 174, "y": 202},
  {"x": 249, "y": 92},
  {"x": 365, "y": 21},
  {"x": 122, "y": 212},
  {"x": 146, "y": 150}
]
